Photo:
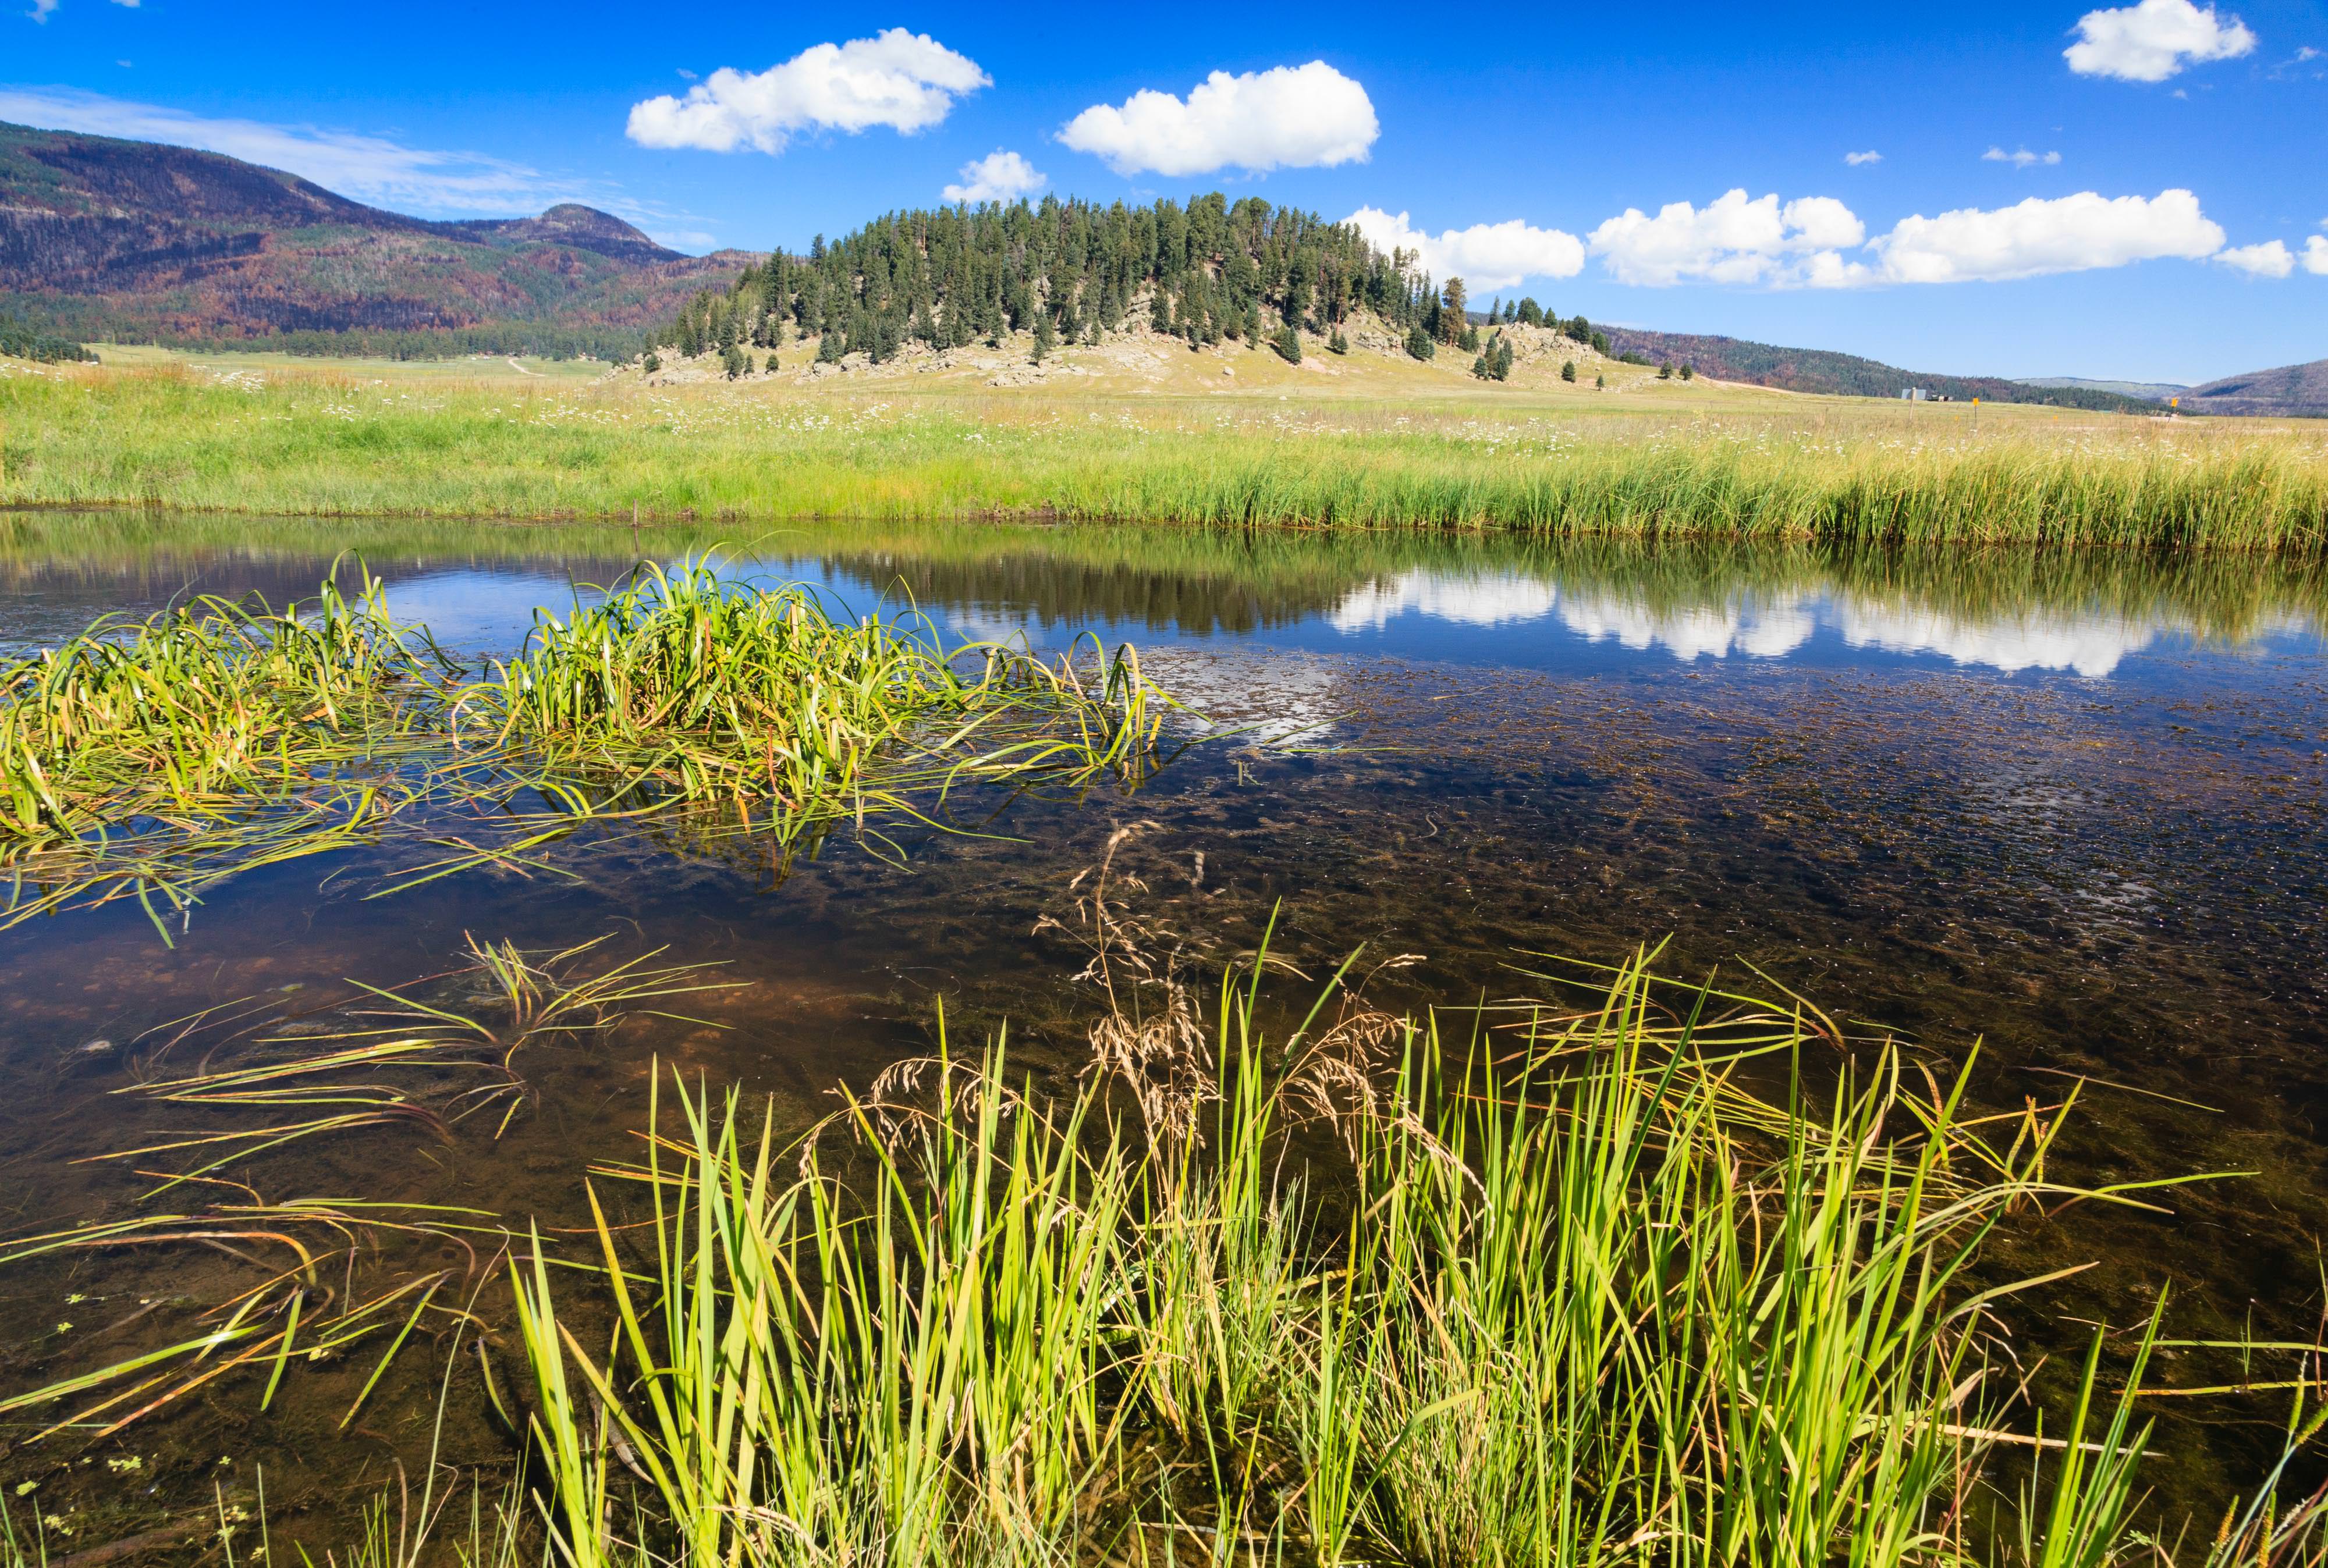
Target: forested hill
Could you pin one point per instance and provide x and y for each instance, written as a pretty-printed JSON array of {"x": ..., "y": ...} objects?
[
  {"x": 108, "y": 239},
  {"x": 2299, "y": 391},
  {"x": 1068, "y": 270},
  {"x": 1205, "y": 270}
]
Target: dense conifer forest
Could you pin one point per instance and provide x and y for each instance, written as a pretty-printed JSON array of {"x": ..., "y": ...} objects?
[
  {"x": 1068, "y": 271},
  {"x": 18, "y": 341}
]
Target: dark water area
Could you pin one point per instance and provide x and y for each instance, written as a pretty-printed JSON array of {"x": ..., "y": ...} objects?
[{"x": 2069, "y": 806}]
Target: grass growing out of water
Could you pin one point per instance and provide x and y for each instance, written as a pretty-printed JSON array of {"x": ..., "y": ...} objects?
[
  {"x": 1563, "y": 1293},
  {"x": 154, "y": 760}
]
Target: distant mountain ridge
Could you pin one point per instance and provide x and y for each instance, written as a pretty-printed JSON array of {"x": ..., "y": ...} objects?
[
  {"x": 2287, "y": 392},
  {"x": 2290, "y": 390},
  {"x": 1847, "y": 375},
  {"x": 2150, "y": 391},
  {"x": 107, "y": 239},
  {"x": 102, "y": 238}
]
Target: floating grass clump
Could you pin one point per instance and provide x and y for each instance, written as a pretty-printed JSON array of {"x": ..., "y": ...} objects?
[
  {"x": 154, "y": 760},
  {"x": 683, "y": 686}
]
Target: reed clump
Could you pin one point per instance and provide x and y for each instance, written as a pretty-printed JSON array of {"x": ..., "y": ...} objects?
[
  {"x": 156, "y": 761},
  {"x": 1569, "y": 1293}
]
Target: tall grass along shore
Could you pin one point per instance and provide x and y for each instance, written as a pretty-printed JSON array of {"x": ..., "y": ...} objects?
[{"x": 1828, "y": 470}]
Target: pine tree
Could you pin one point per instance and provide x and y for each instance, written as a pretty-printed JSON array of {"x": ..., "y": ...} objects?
[
  {"x": 1469, "y": 340},
  {"x": 735, "y": 361},
  {"x": 1421, "y": 343},
  {"x": 1665, "y": 371},
  {"x": 1688, "y": 372},
  {"x": 1452, "y": 326},
  {"x": 1503, "y": 365},
  {"x": 1599, "y": 383},
  {"x": 1337, "y": 344},
  {"x": 652, "y": 363},
  {"x": 1600, "y": 342},
  {"x": 1568, "y": 370},
  {"x": 772, "y": 364},
  {"x": 828, "y": 348},
  {"x": 1046, "y": 339},
  {"x": 1479, "y": 368},
  {"x": 1288, "y": 344},
  {"x": 1531, "y": 313}
]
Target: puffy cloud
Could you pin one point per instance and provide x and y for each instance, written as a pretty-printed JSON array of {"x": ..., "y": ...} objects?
[
  {"x": 1732, "y": 239},
  {"x": 1859, "y": 160},
  {"x": 2270, "y": 259},
  {"x": 905, "y": 81},
  {"x": 999, "y": 176},
  {"x": 1290, "y": 116},
  {"x": 2065, "y": 234},
  {"x": 1485, "y": 255},
  {"x": 2021, "y": 158},
  {"x": 1496, "y": 598},
  {"x": 2154, "y": 39},
  {"x": 2315, "y": 256},
  {"x": 367, "y": 168}
]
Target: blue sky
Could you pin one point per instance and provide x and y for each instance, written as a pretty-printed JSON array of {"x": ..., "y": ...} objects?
[{"x": 2136, "y": 190}]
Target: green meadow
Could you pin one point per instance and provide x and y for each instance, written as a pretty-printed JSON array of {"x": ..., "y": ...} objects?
[{"x": 1389, "y": 449}]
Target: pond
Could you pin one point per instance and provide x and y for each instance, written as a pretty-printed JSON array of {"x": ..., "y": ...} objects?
[{"x": 2068, "y": 807}]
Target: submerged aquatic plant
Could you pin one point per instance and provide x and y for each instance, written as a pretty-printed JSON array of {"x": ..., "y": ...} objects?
[
  {"x": 294, "y": 1312},
  {"x": 390, "y": 1057},
  {"x": 156, "y": 761},
  {"x": 264, "y": 1082}
]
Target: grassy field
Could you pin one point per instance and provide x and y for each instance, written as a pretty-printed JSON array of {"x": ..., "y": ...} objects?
[{"x": 1146, "y": 430}]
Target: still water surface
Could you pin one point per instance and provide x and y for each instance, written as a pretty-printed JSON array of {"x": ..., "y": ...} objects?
[{"x": 2070, "y": 807}]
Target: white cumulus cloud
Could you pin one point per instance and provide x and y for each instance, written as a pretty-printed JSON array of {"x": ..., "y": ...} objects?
[
  {"x": 2272, "y": 258},
  {"x": 999, "y": 176},
  {"x": 905, "y": 81},
  {"x": 1859, "y": 160},
  {"x": 2154, "y": 39},
  {"x": 2315, "y": 256},
  {"x": 2020, "y": 158},
  {"x": 2033, "y": 237},
  {"x": 1485, "y": 255},
  {"x": 1732, "y": 239},
  {"x": 1301, "y": 117}
]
